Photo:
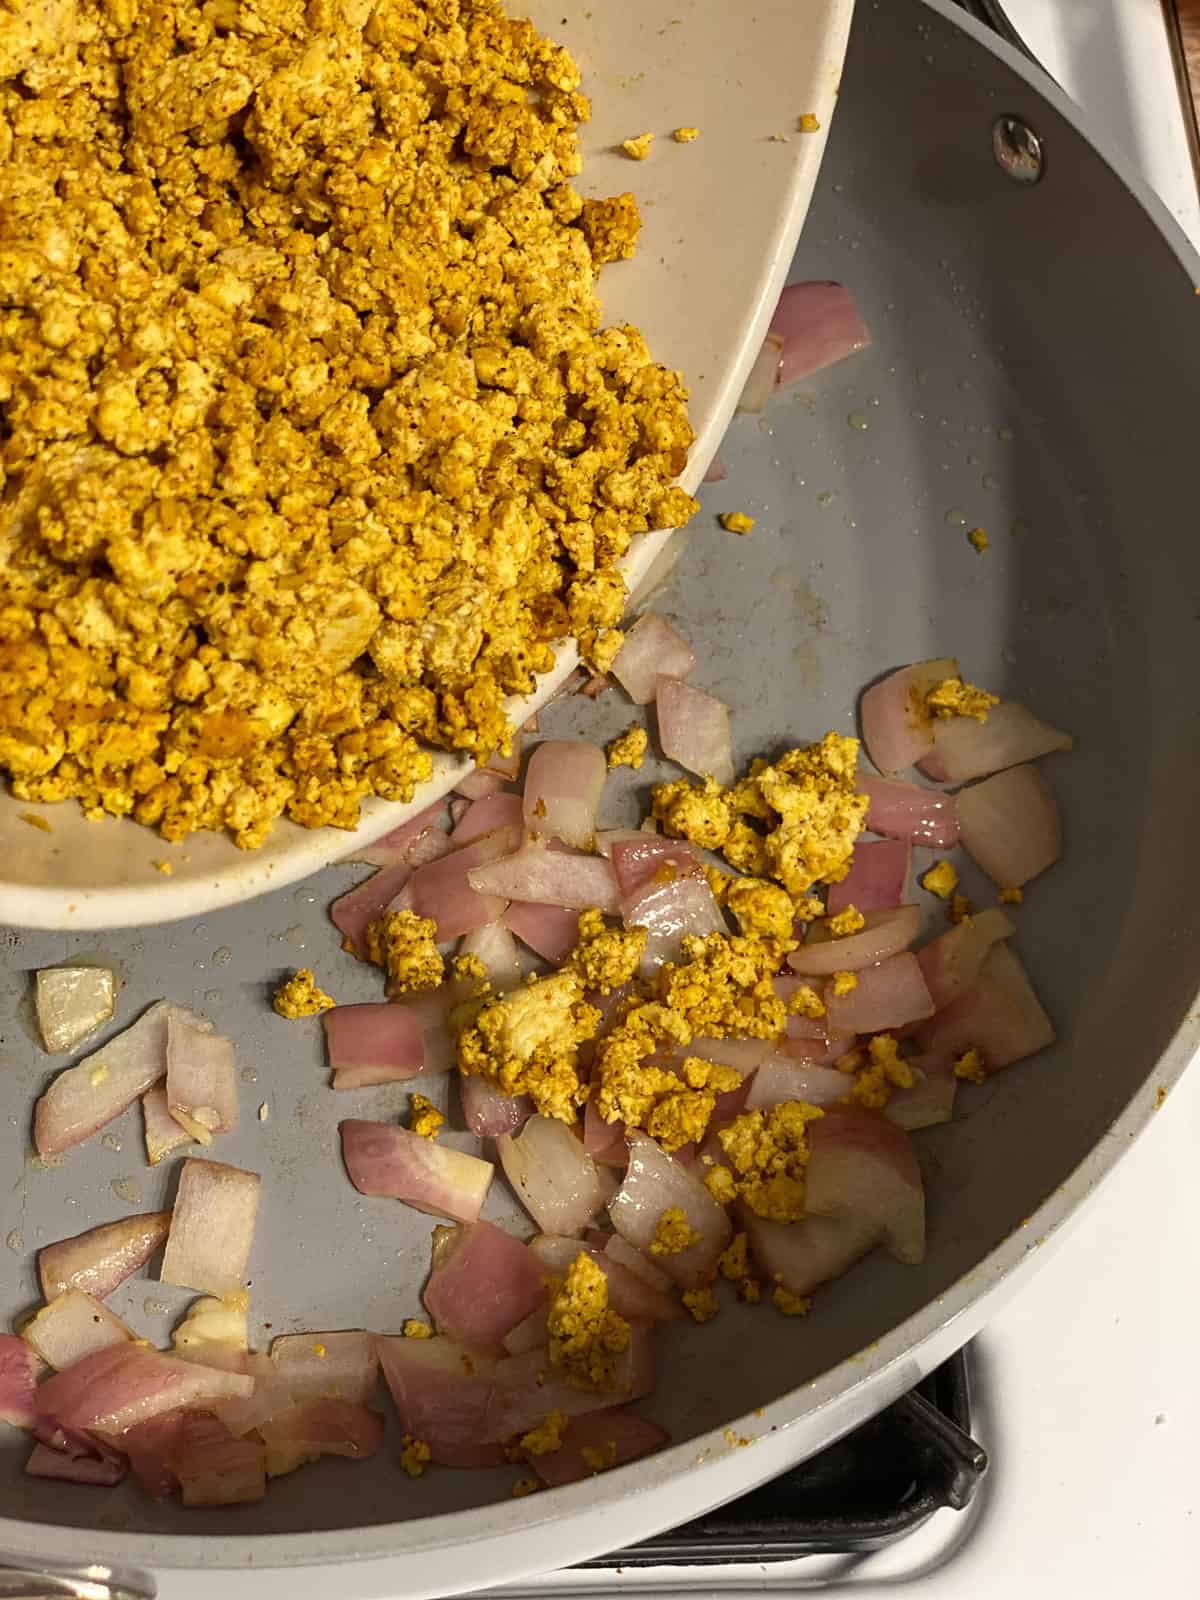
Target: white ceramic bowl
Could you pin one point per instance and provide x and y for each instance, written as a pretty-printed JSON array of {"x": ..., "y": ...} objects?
[{"x": 720, "y": 221}]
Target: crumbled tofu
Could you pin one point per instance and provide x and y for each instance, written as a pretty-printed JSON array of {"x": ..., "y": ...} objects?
[
  {"x": 32, "y": 820},
  {"x": 629, "y": 748},
  {"x": 971, "y": 1066},
  {"x": 586, "y": 1335},
  {"x": 1011, "y": 897},
  {"x": 606, "y": 958},
  {"x": 846, "y": 922},
  {"x": 547, "y": 1437},
  {"x": 611, "y": 228},
  {"x": 527, "y": 1042},
  {"x": 952, "y": 697},
  {"x": 768, "y": 1152},
  {"x": 806, "y": 1002},
  {"x": 673, "y": 1233},
  {"x": 722, "y": 987},
  {"x": 469, "y": 967},
  {"x": 405, "y": 946},
  {"x": 525, "y": 1486},
  {"x": 299, "y": 996},
  {"x": 843, "y": 983},
  {"x": 762, "y": 910},
  {"x": 699, "y": 812},
  {"x": 600, "y": 1457},
  {"x": 685, "y": 135},
  {"x": 736, "y": 522},
  {"x": 979, "y": 539},
  {"x": 883, "y": 1071},
  {"x": 959, "y": 909},
  {"x": 674, "y": 1109},
  {"x": 702, "y": 1303},
  {"x": 792, "y": 1305},
  {"x": 719, "y": 1183},
  {"x": 416, "y": 1328},
  {"x": 941, "y": 880},
  {"x": 638, "y": 148},
  {"x": 415, "y": 1455},
  {"x": 424, "y": 1118},
  {"x": 810, "y": 122},
  {"x": 734, "y": 1264}
]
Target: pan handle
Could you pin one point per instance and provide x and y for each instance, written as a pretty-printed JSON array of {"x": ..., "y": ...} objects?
[
  {"x": 38, "y": 1582},
  {"x": 963, "y": 1461}
]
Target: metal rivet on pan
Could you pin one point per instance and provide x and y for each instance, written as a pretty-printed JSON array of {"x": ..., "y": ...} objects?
[{"x": 1017, "y": 149}]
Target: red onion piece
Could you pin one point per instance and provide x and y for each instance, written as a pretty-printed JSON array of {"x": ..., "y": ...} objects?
[
  {"x": 780, "y": 1079},
  {"x": 527, "y": 1386},
  {"x": 964, "y": 749},
  {"x": 18, "y": 1382},
  {"x": 884, "y": 934},
  {"x": 549, "y": 877},
  {"x": 743, "y": 1055},
  {"x": 343, "y": 1365},
  {"x": 432, "y": 1011},
  {"x": 906, "y": 811},
  {"x": 763, "y": 376},
  {"x": 820, "y": 325},
  {"x": 950, "y": 963},
  {"x": 397, "y": 848},
  {"x": 1011, "y": 825},
  {"x": 862, "y": 1166},
  {"x": 604, "y": 1141},
  {"x": 212, "y": 1227},
  {"x": 98, "y": 1260},
  {"x": 551, "y": 932},
  {"x": 213, "y": 1467},
  {"x": 366, "y": 904},
  {"x": 877, "y": 880},
  {"x": 202, "y": 1091},
  {"x": 552, "y": 1174},
  {"x": 458, "y": 810},
  {"x": 563, "y": 785},
  {"x": 497, "y": 949},
  {"x": 623, "y": 1253},
  {"x": 800, "y": 1256},
  {"x": 479, "y": 783},
  {"x": 619, "y": 1436},
  {"x": 887, "y": 996},
  {"x": 486, "y": 815},
  {"x": 83, "y": 1098},
  {"x": 528, "y": 1335},
  {"x": 429, "y": 1176},
  {"x": 482, "y": 1285},
  {"x": 373, "y": 1043},
  {"x": 664, "y": 890},
  {"x": 818, "y": 1051},
  {"x": 716, "y": 471},
  {"x": 325, "y": 1427},
  {"x": 442, "y": 889},
  {"x": 488, "y": 1113},
  {"x": 929, "y": 1101},
  {"x": 654, "y": 1183},
  {"x": 148, "y": 1447},
  {"x": 1000, "y": 1015},
  {"x": 629, "y": 1293},
  {"x": 71, "y": 1457},
  {"x": 443, "y": 1394},
  {"x": 508, "y": 766},
  {"x": 162, "y": 1133},
  {"x": 72, "y": 1326},
  {"x": 693, "y": 729},
  {"x": 652, "y": 649},
  {"x": 126, "y": 1384},
  {"x": 897, "y": 728}
]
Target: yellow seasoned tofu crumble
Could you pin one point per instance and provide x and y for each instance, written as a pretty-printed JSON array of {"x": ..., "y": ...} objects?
[
  {"x": 313, "y": 444},
  {"x": 300, "y": 996}
]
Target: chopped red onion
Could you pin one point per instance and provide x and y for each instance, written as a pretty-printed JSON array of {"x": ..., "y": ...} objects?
[
  {"x": 458, "y": 810},
  {"x": 693, "y": 729},
  {"x": 325, "y": 1427},
  {"x": 483, "y": 1285},
  {"x": 213, "y": 1467},
  {"x": 629, "y": 1293},
  {"x": 716, "y": 473},
  {"x": 98, "y": 1260},
  {"x": 1000, "y": 1015},
  {"x": 552, "y": 1174},
  {"x": 488, "y": 1113},
  {"x": 527, "y": 1386},
  {"x": 563, "y": 785},
  {"x": 486, "y": 815},
  {"x": 964, "y": 748},
  {"x": 212, "y": 1227},
  {"x": 127, "y": 1384},
  {"x": 444, "y": 1394},
  {"x": 906, "y": 811},
  {"x": 397, "y": 848},
  {"x": 886, "y": 996},
  {"x": 950, "y": 963},
  {"x": 815, "y": 1050},
  {"x": 800, "y": 1256},
  {"x": 373, "y": 1043},
  {"x": 72, "y": 1326},
  {"x": 71, "y": 1003},
  {"x": 427, "y": 1175},
  {"x": 615, "y": 1436},
  {"x": 763, "y": 376},
  {"x": 202, "y": 1091},
  {"x": 604, "y": 1141},
  {"x": 479, "y": 783},
  {"x": 83, "y": 1098},
  {"x": 636, "y": 1261},
  {"x": 551, "y": 932},
  {"x": 653, "y": 1184},
  {"x": 820, "y": 325},
  {"x": 927, "y": 1102},
  {"x": 664, "y": 890},
  {"x": 652, "y": 649},
  {"x": 528, "y": 1335},
  {"x": 18, "y": 1382},
  {"x": 897, "y": 727},
  {"x": 780, "y": 1078},
  {"x": 497, "y": 949},
  {"x": 549, "y": 877},
  {"x": 162, "y": 1133},
  {"x": 884, "y": 934},
  {"x": 353, "y": 912},
  {"x": 606, "y": 838},
  {"x": 863, "y": 1166},
  {"x": 1011, "y": 825},
  {"x": 72, "y": 1457},
  {"x": 510, "y": 765},
  {"x": 343, "y": 1365},
  {"x": 443, "y": 891},
  {"x": 877, "y": 880},
  {"x": 148, "y": 1447}
]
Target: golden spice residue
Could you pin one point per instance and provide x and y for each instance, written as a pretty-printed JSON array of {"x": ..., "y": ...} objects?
[
  {"x": 416, "y": 1328},
  {"x": 424, "y": 1118},
  {"x": 734, "y": 1264},
  {"x": 844, "y": 983},
  {"x": 299, "y": 996},
  {"x": 806, "y": 802},
  {"x": 606, "y": 958},
  {"x": 673, "y": 1233},
  {"x": 629, "y": 748},
  {"x": 736, "y": 522},
  {"x": 546, "y": 1438},
  {"x": 979, "y": 540},
  {"x": 524, "y": 1487},
  {"x": 405, "y": 946},
  {"x": 941, "y": 880},
  {"x": 312, "y": 442},
  {"x": 959, "y": 909},
  {"x": 792, "y": 1305},
  {"x": 586, "y": 1335},
  {"x": 883, "y": 1070},
  {"x": 1011, "y": 897},
  {"x": 415, "y": 1455},
  {"x": 702, "y": 1303},
  {"x": 952, "y": 697},
  {"x": 768, "y": 1152},
  {"x": 527, "y": 1042},
  {"x": 971, "y": 1066}
]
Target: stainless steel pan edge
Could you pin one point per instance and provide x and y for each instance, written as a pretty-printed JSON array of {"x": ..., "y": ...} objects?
[{"x": 447, "y": 1554}]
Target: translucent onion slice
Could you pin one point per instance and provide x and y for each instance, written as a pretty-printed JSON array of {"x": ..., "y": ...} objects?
[
  {"x": 563, "y": 784},
  {"x": 100, "y": 1259},
  {"x": 72, "y": 1002},
  {"x": 554, "y": 1177},
  {"x": 427, "y": 1175},
  {"x": 72, "y": 1326},
  {"x": 212, "y": 1227},
  {"x": 652, "y": 649}
]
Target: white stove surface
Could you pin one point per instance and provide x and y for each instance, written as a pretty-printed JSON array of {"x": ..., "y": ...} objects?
[{"x": 1086, "y": 1393}]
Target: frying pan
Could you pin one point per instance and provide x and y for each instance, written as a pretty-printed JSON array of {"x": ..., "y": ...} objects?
[{"x": 1034, "y": 371}]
